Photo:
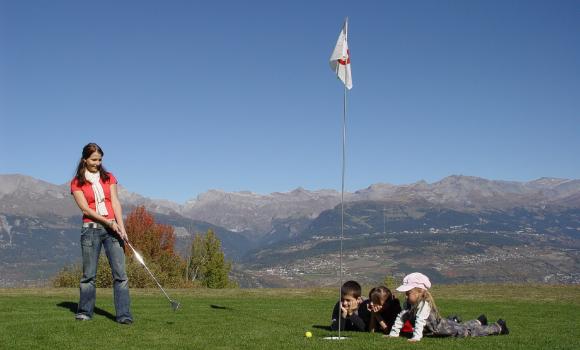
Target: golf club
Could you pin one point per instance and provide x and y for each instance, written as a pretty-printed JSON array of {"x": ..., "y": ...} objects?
[{"x": 174, "y": 303}]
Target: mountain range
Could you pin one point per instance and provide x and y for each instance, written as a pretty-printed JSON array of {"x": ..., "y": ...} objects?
[{"x": 39, "y": 223}]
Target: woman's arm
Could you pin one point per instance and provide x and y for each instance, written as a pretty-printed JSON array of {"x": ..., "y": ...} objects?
[{"x": 118, "y": 212}]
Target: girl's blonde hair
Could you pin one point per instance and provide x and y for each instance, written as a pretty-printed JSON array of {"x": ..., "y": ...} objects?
[{"x": 425, "y": 296}]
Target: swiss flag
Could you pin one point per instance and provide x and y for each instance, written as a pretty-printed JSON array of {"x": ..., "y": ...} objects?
[{"x": 340, "y": 58}]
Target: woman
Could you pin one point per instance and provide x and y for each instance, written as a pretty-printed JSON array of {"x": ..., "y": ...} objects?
[{"x": 95, "y": 192}]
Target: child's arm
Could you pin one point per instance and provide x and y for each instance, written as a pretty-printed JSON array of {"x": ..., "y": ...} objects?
[
  {"x": 336, "y": 314},
  {"x": 352, "y": 322},
  {"x": 381, "y": 321},
  {"x": 390, "y": 315},
  {"x": 357, "y": 322},
  {"x": 365, "y": 313},
  {"x": 392, "y": 312},
  {"x": 398, "y": 324},
  {"x": 372, "y": 323},
  {"x": 420, "y": 321}
]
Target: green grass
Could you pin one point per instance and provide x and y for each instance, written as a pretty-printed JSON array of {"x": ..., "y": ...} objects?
[{"x": 539, "y": 317}]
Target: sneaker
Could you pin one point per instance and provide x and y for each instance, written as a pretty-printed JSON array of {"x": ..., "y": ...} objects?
[
  {"x": 483, "y": 319},
  {"x": 82, "y": 317},
  {"x": 454, "y": 318},
  {"x": 127, "y": 321},
  {"x": 504, "y": 330}
]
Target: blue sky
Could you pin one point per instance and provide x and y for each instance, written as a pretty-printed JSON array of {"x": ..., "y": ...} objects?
[{"x": 187, "y": 96}]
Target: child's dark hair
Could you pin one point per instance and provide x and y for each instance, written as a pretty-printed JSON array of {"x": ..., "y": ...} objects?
[
  {"x": 351, "y": 288},
  {"x": 380, "y": 293}
]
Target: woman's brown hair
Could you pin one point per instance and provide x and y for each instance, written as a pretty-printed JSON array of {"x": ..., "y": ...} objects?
[{"x": 87, "y": 151}]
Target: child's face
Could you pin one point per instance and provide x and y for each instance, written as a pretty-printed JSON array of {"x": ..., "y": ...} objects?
[
  {"x": 380, "y": 301},
  {"x": 377, "y": 304},
  {"x": 413, "y": 295},
  {"x": 349, "y": 302}
]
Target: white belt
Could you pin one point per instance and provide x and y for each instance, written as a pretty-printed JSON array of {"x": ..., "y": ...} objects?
[{"x": 93, "y": 225}]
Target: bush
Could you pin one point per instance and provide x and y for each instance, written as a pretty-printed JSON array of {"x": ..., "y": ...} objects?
[
  {"x": 70, "y": 276},
  {"x": 390, "y": 282}
]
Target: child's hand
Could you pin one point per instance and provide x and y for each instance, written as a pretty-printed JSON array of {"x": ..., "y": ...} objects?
[
  {"x": 375, "y": 308},
  {"x": 343, "y": 311}
]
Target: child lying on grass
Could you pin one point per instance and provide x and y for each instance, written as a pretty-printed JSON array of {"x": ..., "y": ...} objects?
[
  {"x": 346, "y": 311},
  {"x": 380, "y": 310},
  {"x": 421, "y": 310}
]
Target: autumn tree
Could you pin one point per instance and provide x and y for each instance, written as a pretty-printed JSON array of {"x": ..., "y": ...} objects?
[
  {"x": 156, "y": 243},
  {"x": 152, "y": 239}
]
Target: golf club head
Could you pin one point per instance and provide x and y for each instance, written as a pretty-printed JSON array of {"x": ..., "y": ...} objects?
[{"x": 175, "y": 305}]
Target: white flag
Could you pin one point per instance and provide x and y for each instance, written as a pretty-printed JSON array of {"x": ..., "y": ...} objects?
[{"x": 340, "y": 58}]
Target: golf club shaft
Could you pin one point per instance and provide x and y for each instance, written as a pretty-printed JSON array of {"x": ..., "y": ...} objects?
[{"x": 150, "y": 273}]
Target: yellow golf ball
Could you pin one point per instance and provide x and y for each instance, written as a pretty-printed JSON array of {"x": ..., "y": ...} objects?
[{"x": 308, "y": 335}]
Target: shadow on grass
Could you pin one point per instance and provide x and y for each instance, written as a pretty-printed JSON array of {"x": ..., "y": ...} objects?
[
  {"x": 220, "y": 307},
  {"x": 326, "y": 328},
  {"x": 74, "y": 306}
]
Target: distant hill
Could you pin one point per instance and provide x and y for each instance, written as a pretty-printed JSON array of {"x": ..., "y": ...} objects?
[{"x": 290, "y": 239}]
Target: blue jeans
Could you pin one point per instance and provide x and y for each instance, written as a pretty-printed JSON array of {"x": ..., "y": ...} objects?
[{"x": 91, "y": 241}]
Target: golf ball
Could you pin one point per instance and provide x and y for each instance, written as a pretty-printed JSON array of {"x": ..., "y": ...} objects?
[{"x": 308, "y": 335}]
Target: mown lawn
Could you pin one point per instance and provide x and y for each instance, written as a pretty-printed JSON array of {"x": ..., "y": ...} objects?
[{"x": 539, "y": 317}]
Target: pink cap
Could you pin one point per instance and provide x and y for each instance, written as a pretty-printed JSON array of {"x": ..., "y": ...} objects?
[{"x": 414, "y": 280}]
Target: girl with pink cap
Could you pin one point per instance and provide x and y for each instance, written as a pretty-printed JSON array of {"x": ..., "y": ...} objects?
[{"x": 421, "y": 311}]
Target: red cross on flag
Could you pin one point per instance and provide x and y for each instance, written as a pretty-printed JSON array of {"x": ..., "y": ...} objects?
[{"x": 340, "y": 58}]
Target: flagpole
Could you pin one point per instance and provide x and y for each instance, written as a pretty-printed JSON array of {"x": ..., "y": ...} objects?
[
  {"x": 341, "y": 57},
  {"x": 342, "y": 198}
]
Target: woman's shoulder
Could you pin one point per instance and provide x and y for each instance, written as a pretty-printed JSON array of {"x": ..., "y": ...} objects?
[
  {"x": 112, "y": 179},
  {"x": 75, "y": 182},
  {"x": 75, "y": 185}
]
